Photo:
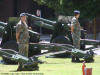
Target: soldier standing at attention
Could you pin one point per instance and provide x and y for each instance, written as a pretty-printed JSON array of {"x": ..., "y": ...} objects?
[
  {"x": 22, "y": 37},
  {"x": 76, "y": 29},
  {"x": 76, "y": 33}
]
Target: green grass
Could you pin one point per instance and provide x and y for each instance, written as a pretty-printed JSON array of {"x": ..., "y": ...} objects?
[{"x": 54, "y": 66}]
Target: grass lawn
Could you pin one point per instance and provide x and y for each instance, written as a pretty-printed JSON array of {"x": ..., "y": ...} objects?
[{"x": 54, "y": 66}]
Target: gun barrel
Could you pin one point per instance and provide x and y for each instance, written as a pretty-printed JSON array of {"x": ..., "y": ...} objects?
[
  {"x": 41, "y": 19},
  {"x": 7, "y": 52},
  {"x": 31, "y": 31},
  {"x": 3, "y": 23},
  {"x": 13, "y": 55},
  {"x": 90, "y": 42},
  {"x": 44, "y": 25}
]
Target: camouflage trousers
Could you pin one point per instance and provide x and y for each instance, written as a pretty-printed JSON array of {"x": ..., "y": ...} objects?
[
  {"x": 23, "y": 50},
  {"x": 76, "y": 41}
]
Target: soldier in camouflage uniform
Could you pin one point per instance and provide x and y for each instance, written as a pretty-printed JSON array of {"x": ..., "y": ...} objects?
[
  {"x": 22, "y": 37},
  {"x": 76, "y": 32}
]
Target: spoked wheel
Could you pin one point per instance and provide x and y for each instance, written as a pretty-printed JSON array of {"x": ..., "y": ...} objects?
[{"x": 61, "y": 40}]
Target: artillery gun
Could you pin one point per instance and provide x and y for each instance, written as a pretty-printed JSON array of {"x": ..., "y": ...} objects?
[
  {"x": 61, "y": 31},
  {"x": 61, "y": 39}
]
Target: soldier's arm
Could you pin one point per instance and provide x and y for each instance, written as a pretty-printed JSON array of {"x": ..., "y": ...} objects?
[
  {"x": 18, "y": 30},
  {"x": 73, "y": 25},
  {"x": 72, "y": 28},
  {"x": 17, "y": 36}
]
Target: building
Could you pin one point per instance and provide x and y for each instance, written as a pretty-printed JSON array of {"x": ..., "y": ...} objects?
[{"x": 12, "y": 8}]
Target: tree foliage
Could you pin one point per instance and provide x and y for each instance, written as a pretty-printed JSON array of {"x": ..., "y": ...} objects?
[{"x": 88, "y": 8}]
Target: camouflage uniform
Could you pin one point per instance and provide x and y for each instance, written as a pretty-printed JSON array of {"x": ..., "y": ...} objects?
[
  {"x": 76, "y": 33},
  {"x": 23, "y": 39}
]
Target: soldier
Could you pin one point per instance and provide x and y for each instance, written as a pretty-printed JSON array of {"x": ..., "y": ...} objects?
[
  {"x": 75, "y": 30},
  {"x": 22, "y": 37}
]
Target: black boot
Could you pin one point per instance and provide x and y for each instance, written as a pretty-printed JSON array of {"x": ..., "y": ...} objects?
[
  {"x": 31, "y": 66},
  {"x": 77, "y": 59},
  {"x": 19, "y": 68},
  {"x": 73, "y": 58}
]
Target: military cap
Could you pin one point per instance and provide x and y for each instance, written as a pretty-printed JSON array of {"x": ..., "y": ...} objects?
[
  {"x": 22, "y": 14},
  {"x": 76, "y": 11}
]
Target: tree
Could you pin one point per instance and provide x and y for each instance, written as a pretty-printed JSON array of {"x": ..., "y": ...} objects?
[{"x": 88, "y": 8}]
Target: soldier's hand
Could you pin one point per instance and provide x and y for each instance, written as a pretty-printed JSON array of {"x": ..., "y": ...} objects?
[
  {"x": 17, "y": 41},
  {"x": 30, "y": 28}
]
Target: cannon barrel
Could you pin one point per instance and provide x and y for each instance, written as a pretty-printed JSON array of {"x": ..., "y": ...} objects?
[
  {"x": 44, "y": 25},
  {"x": 41, "y": 19},
  {"x": 90, "y": 42},
  {"x": 3, "y": 23},
  {"x": 31, "y": 31}
]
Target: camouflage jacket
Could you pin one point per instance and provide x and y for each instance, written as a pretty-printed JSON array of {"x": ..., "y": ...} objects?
[
  {"x": 22, "y": 29},
  {"x": 76, "y": 25}
]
